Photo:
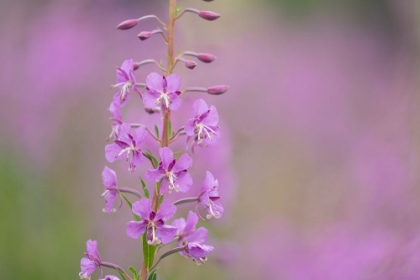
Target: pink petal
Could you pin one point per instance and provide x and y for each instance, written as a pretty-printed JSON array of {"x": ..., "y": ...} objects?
[
  {"x": 200, "y": 107},
  {"x": 165, "y": 233},
  {"x": 142, "y": 208},
  {"x": 109, "y": 177},
  {"x": 135, "y": 229},
  {"x": 166, "y": 210},
  {"x": 183, "y": 163},
  {"x": 154, "y": 81}
]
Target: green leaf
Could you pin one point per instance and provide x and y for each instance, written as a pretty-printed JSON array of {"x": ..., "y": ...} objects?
[
  {"x": 157, "y": 131},
  {"x": 150, "y": 157},
  {"x": 148, "y": 253},
  {"x": 122, "y": 275},
  {"x": 145, "y": 190},
  {"x": 135, "y": 274},
  {"x": 161, "y": 199},
  {"x": 152, "y": 275},
  {"x": 137, "y": 218},
  {"x": 169, "y": 128}
]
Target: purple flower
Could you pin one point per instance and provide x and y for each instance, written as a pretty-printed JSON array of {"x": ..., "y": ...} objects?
[
  {"x": 109, "y": 179},
  {"x": 91, "y": 261},
  {"x": 203, "y": 127},
  {"x": 198, "y": 251},
  {"x": 116, "y": 121},
  {"x": 127, "y": 144},
  {"x": 126, "y": 81},
  {"x": 152, "y": 222},
  {"x": 172, "y": 172},
  {"x": 162, "y": 91},
  {"x": 110, "y": 277},
  {"x": 209, "y": 195}
]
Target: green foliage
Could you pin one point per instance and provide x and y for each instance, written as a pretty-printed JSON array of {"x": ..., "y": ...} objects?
[
  {"x": 145, "y": 190},
  {"x": 148, "y": 253}
]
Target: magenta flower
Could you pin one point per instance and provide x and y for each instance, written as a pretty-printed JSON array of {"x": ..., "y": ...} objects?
[
  {"x": 91, "y": 261},
  {"x": 110, "y": 277},
  {"x": 116, "y": 121},
  {"x": 203, "y": 127},
  {"x": 126, "y": 81},
  {"x": 209, "y": 194},
  {"x": 109, "y": 179},
  {"x": 127, "y": 144},
  {"x": 198, "y": 251},
  {"x": 172, "y": 172},
  {"x": 162, "y": 92},
  {"x": 151, "y": 222}
]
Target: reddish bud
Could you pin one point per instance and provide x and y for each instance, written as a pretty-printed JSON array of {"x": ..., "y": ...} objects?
[
  {"x": 217, "y": 90},
  {"x": 190, "y": 64},
  {"x": 208, "y": 15},
  {"x": 136, "y": 65},
  {"x": 144, "y": 35},
  {"x": 206, "y": 57},
  {"x": 130, "y": 23}
]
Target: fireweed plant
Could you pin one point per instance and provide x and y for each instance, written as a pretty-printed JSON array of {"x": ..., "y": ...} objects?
[{"x": 161, "y": 94}]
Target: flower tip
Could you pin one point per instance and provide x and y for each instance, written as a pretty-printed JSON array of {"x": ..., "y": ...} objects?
[
  {"x": 217, "y": 90},
  {"x": 206, "y": 57},
  {"x": 190, "y": 64},
  {"x": 136, "y": 65},
  {"x": 208, "y": 15},
  {"x": 144, "y": 35},
  {"x": 130, "y": 23}
]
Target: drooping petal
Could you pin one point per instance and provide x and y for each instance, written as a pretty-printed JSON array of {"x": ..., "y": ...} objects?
[
  {"x": 109, "y": 196},
  {"x": 173, "y": 83},
  {"x": 198, "y": 250},
  {"x": 167, "y": 156},
  {"x": 135, "y": 229},
  {"x": 155, "y": 81},
  {"x": 109, "y": 177},
  {"x": 200, "y": 107},
  {"x": 166, "y": 210},
  {"x": 200, "y": 235},
  {"x": 183, "y": 163},
  {"x": 87, "y": 267},
  {"x": 112, "y": 151},
  {"x": 184, "y": 182},
  {"x": 165, "y": 233},
  {"x": 208, "y": 182},
  {"x": 142, "y": 208}
]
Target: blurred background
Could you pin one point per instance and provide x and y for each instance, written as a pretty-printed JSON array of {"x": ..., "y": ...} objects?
[{"x": 319, "y": 162}]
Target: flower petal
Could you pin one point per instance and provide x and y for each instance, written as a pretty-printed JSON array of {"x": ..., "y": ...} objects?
[
  {"x": 142, "y": 208},
  {"x": 165, "y": 233},
  {"x": 176, "y": 102},
  {"x": 200, "y": 107},
  {"x": 183, "y": 163},
  {"x": 109, "y": 177},
  {"x": 109, "y": 197},
  {"x": 184, "y": 182},
  {"x": 189, "y": 127},
  {"x": 154, "y": 81},
  {"x": 87, "y": 267},
  {"x": 208, "y": 183},
  {"x": 154, "y": 175},
  {"x": 167, "y": 156},
  {"x": 180, "y": 225},
  {"x": 150, "y": 97},
  {"x": 112, "y": 151},
  {"x": 166, "y": 210},
  {"x": 173, "y": 83},
  {"x": 139, "y": 135},
  {"x": 135, "y": 229},
  {"x": 212, "y": 118},
  {"x": 92, "y": 248},
  {"x": 192, "y": 220},
  {"x": 200, "y": 235}
]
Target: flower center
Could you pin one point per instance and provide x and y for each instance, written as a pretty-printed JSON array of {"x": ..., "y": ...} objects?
[
  {"x": 164, "y": 97},
  {"x": 172, "y": 178},
  {"x": 204, "y": 131}
]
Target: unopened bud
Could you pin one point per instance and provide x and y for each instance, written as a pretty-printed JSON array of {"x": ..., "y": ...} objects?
[
  {"x": 206, "y": 57},
  {"x": 208, "y": 15},
  {"x": 217, "y": 90},
  {"x": 190, "y": 64},
  {"x": 152, "y": 110},
  {"x": 130, "y": 23},
  {"x": 136, "y": 65},
  {"x": 144, "y": 35}
]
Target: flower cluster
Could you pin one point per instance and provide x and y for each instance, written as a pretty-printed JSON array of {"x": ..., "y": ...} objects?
[{"x": 169, "y": 170}]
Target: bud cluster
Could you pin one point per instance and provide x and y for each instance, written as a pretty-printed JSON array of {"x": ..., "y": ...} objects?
[{"x": 161, "y": 95}]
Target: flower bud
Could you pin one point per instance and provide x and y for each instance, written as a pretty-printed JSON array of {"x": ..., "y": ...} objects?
[
  {"x": 206, "y": 57},
  {"x": 217, "y": 90},
  {"x": 190, "y": 64},
  {"x": 130, "y": 23},
  {"x": 208, "y": 15},
  {"x": 136, "y": 65},
  {"x": 144, "y": 35}
]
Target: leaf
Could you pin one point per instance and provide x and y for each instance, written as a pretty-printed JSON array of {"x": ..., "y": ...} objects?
[
  {"x": 150, "y": 157},
  {"x": 152, "y": 275},
  {"x": 157, "y": 131},
  {"x": 169, "y": 128},
  {"x": 148, "y": 253},
  {"x": 161, "y": 199},
  {"x": 145, "y": 190},
  {"x": 122, "y": 275},
  {"x": 135, "y": 274},
  {"x": 137, "y": 218}
]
